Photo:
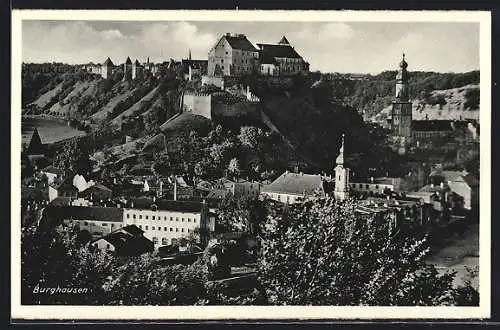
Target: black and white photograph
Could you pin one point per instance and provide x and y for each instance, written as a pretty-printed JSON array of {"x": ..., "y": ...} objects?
[{"x": 208, "y": 159}]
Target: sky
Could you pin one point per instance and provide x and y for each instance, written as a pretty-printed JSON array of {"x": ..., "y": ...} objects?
[{"x": 355, "y": 47}]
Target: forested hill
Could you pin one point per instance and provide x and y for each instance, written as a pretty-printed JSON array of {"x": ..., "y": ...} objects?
[{"x": 371, "y": 94}]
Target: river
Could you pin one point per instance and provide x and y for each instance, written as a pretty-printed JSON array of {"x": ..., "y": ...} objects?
[{"x": 51, "y": 130}]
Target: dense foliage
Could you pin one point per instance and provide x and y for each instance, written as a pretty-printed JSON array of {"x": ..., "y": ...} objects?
[{"x": 322, "y": 253}]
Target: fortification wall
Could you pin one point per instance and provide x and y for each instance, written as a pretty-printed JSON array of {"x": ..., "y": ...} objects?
[
  {"x": 198, "y": 103},
  {"x": 210, "y": 80}
]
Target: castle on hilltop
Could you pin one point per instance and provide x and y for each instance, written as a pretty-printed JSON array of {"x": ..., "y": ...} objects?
[
  {"x": 234, "y": 54},
  {"x": 131, "y": 70}
]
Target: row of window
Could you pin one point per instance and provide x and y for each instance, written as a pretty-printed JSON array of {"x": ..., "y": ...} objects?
[
  {"x": 165, "y": 229},
  {"x": 159, "y": 218},
  {"x": 104, "y": 224},
  {"x": 360, "y": 186}
]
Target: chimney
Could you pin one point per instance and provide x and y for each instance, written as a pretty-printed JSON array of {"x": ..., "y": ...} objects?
[{"x": 175, "y": 188}]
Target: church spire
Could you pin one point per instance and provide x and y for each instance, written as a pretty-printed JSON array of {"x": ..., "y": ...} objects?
[{"x": 340, "y": 157}]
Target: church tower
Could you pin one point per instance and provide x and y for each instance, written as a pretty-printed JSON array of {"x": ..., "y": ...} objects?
[
  {"x": 341, "y": 176},
  {"x": 401, "y": 106}
]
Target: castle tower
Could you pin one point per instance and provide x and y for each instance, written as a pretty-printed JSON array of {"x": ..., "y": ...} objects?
[
  {"x": 189, "y": 56},
  {"x": 341, "y": 191},
  {"x": 136, "y": 69},
  {"x": 401, "y": 106},
  {"x": 107, "y": 68},
  {"x": 127, "y": 69}
]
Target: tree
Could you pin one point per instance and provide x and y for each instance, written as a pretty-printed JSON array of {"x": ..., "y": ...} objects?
[
  {"x": 240, "y": 214},
  {"x": 234, "y": 167},
  {"x": 322, "y": 253},
  {"x": 74, "y": 158}
]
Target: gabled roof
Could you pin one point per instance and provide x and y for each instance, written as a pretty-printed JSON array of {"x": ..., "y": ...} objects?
[
  {"x": 108, "y": 62},
  {"x": 296, "y": 183},
  {"x": 67, "y": 185},
  {"x": 240, "y": 42},
  {"x": 96, "y": 188},
  {"x": 278, "y": 51},
  {"x": 53, "y": 170},
  {"x": 218, "y": 194}
]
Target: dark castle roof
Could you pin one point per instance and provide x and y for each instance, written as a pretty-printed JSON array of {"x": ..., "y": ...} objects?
[
  {"x": 240, "y": 42},
  {"x": 282, "y": 51}
]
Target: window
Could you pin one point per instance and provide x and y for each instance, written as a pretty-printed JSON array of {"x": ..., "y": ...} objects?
[
  {"x": 152, "y": 227},
  {"x": 164, "y": 228},
  {"x": 147, "y": 217},
  {"x": 171, "y": 219},
  {"x": 104, "y": 224},
  {"x": 189, "y": 230},
  {"x": 107, "y": 246},
  {"x": 376, "y": 186},
  {"x": 85, "y": 223},
  {"x": 133, "y": 216},
  {"x": 182, "y": 219},
  {"x": 159, "y": 228},
  {"x": 222, "y": 61},
  {"x": 153, "y": 217},
  {"x": 226, "y": 53},
  {"x": 176, "y": 219},
  {"x": 155, "y": 240},
  {"x": 171, "y": 229},
  {"x": 189, "y": 219},
  {"x": 147, "y": 227},
  {"x": 164, "y": 241},
  {"x": 140, "y": 216},
  {"x": 165, "y": 218},
  {"x": 182, "y": 229},
  {"x": 128, "y": 215},
  {"x": 194, "y": 220},
  {"x": 176, "y": 229},
  {"x": 140, "y": 226}
]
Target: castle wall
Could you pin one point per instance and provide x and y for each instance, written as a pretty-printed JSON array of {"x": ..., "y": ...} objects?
[{"x": 199, "y": 104}]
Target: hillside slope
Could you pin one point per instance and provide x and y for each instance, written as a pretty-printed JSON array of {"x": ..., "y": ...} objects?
[{"x": 451, "y": 104}]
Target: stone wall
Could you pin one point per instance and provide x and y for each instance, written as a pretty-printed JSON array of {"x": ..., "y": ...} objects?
[{"x": 198, "y": 103}]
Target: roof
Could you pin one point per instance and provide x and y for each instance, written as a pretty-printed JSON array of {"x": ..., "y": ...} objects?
[
  {"x": 447, "y": 175},
  {"x": 108, "y": 62},
  {"x": 53, "y": 170},
  {"x": 128, "y": 61},
  {"x": 281, "y": 51},
  {"x": 95, "y": 188},
  {"x": 266, "y": 58},
  {"x": 166, "y": 205},
  {"x": 61, "y": 201},
  {"x": 431, "y": 125},
  {"x": 284, "y": 41},
  {"x": 97, "y": 213},
  {"x": 240, "y": 42},
  {"x": 296, "y": 183},
  {"x": 67, "y": 185},
  {"x": 218, "y": 194},
  {"x": 435, "y": 188},
  {"x": 137, "y": 63},
  {"x": 468, "y": 179}
]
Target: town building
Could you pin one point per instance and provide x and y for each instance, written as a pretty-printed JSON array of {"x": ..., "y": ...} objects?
[
  {"x": 280, "y": 59},
  {"x": 98, "y": 221},
  {"x": 402, "y": 109},
  {"x": 239, "y": 187},
  {"x": 232, "y": 55},
  {"x": 107, "y": 68},
  {"x": 293, "y": 188},
  {"x": 52, "y": 173},
  {"x": 125, "y": 241},
  {"x": 193, "y": 68},
  {"x": 96, "y": 192},
  {"x": 165, "y": 222},
  {"x": 459, "y": 182},
  {"x": 64, "y": 189}
]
